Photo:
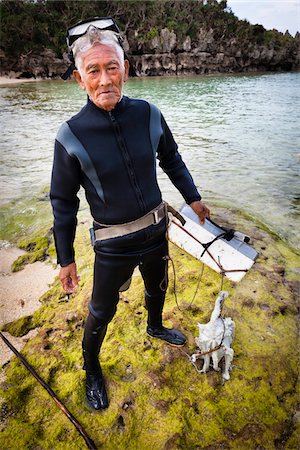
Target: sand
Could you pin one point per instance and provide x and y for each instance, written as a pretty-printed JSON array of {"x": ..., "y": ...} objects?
[
  {"x": 6, "y": 80},
  {"x": 20, "y": 293}
]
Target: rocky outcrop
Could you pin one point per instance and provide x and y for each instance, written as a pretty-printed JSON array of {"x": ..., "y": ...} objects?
[
  {"x": 209, "y": 55},
  {"x": 167, "y": 54},
  {"x": 44, "y": 64}
]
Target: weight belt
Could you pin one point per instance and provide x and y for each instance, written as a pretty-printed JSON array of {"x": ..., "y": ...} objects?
[{"x": 112, "y": 231}]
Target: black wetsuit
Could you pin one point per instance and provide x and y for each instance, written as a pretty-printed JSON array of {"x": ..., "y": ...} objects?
[{"x": 113, "y": 156}]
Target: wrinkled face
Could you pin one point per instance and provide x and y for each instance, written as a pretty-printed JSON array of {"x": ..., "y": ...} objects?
[{"x": 102, "y": 75}]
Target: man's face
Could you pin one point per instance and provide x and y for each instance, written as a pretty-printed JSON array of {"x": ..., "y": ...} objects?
[{"x": 102, "y": 75}]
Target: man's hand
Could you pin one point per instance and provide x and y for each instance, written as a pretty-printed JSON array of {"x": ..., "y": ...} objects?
[
  {"x": 68, "y": 277},
  {"x": 201, "y": 210}
]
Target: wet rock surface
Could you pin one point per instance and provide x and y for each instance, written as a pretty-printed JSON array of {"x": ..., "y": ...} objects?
[{"x": 157, "y": 398}]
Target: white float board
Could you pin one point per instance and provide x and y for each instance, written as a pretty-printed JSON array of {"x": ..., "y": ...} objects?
[{"x": 231, "y": 255}]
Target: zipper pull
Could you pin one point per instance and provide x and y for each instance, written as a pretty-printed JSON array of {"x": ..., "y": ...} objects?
[{"x": 111, "y": 116}]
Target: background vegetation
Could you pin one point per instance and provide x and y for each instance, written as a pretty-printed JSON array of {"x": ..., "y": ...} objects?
[{"x": 32, "y": 25}]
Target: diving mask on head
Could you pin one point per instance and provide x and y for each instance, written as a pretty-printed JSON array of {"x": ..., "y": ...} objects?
[
  {"x": 100, "y": 23},
  {"x": 93, "y": 35},
  {"x": 93, "y": 26}
]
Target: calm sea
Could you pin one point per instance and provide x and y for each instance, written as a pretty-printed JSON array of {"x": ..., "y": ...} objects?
[{"x": 239, "y": 135}]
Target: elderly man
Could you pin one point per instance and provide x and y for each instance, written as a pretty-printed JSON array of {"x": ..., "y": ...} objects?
[{"x": 109, "y": 148}]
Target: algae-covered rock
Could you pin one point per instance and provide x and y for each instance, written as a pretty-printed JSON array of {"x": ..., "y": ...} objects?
[
  {"x": 20, "y": 327},
  {"x": 36, "y": 249},
  {"x": 157, "y": 399}
]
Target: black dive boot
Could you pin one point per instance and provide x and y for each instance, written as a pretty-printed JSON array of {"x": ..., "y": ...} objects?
[
  {"x": 155, "y": 328},
  {"x": 95, "y": 388}
]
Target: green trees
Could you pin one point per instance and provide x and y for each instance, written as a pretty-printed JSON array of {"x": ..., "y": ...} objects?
[
  {"x": 29, "y": 26},
  {"x": 33, "y": 24}
]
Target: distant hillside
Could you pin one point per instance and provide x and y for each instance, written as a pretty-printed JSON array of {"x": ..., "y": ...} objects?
[{"x": 161, "y": 37}]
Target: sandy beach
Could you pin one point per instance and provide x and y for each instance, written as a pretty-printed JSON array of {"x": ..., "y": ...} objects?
[
  {"x": 6, "y": 80},
  {"x": 20, "y": 293}
]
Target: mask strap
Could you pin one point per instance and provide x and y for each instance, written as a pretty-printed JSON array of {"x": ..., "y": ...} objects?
[{"x": 68, "y": 72}]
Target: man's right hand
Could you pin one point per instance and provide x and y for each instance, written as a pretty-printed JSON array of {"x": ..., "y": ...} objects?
[{"x": 69, "y": 278}]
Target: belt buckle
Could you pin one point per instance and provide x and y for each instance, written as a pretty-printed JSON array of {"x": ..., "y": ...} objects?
[{"x": 156, "y": 218}]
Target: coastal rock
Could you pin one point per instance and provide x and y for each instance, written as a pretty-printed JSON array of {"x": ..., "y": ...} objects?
[
  {"x": 209, "y": 57},
  {"x": 164, "y": 42},
  {"x": 187, "y": 44},
  {"x": 162, "y": 64},
  {"x": 205, "y": 28},
  {"x": 206, "y": 41},
  {"x": 45, "y": 64},
  {"x": 168, "y": 40},
  {"x": 198, "y": 63},
  {"x": 167, "y": 54}
]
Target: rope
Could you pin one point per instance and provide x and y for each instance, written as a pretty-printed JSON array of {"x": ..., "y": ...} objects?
[
  {"x": 89, "y": 442},
  {"x": 222, "y": 274},
  {"x": 199, "y": 355},
  {"x": 168, "y": 257},
  {"x": 163, "y": 285},
  {"x": 205, "y": 246},
  {"x": 197, "y": 287},
  {"x": 226, "y": 234}
]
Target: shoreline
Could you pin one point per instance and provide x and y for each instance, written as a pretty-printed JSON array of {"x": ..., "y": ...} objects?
[
  {"x": 7, "y": 80},
  {"x": 20, "y": 293}
]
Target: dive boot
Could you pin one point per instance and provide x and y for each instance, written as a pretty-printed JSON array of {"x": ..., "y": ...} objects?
[
  {"x": 94, "y": 334},
  {"x": 95, "y": 391},
  {"x": 155, "y": 328},
  {"x": 173, "y": 337}
]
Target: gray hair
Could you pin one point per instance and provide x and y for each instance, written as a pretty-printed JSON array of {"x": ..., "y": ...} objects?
[{"x": 92, "y": 36}]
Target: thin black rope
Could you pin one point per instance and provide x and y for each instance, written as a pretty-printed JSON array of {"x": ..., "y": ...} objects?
[
  {"x": 174, "y": 281},
  {"x": 197, "y": 287}
]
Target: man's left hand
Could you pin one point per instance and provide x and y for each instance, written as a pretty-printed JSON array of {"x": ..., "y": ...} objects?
[
  {"x": 201, "y": 210},
  {"x": 69, "y": 278}
]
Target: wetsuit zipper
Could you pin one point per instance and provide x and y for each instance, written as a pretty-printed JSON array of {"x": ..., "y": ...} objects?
[{"x": 128, "y": 163}]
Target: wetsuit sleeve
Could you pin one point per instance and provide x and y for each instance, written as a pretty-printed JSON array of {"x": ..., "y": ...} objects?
[
  {"x": 65, "y": 184},
  {"x": 172, "y": 164}
]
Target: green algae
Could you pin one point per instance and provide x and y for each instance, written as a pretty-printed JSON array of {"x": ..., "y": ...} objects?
[
  {"x": 26, "y": 216},
  {"x": 36, "y": 249},
  {"x": 157, "y": 399},
  {"x": 29, "y": 217},
  {"x": 20, "y": 327}
]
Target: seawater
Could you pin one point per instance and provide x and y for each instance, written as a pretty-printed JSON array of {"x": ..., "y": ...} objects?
[{"x": 239, "y": 136}]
